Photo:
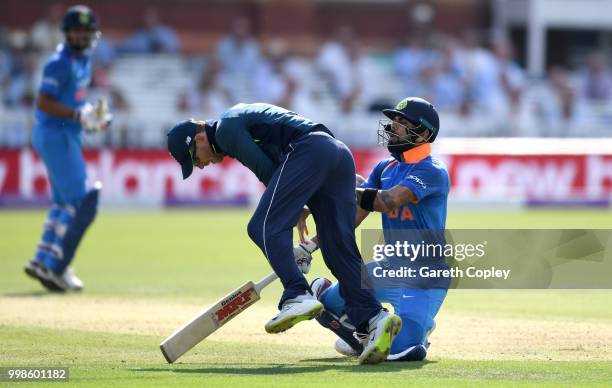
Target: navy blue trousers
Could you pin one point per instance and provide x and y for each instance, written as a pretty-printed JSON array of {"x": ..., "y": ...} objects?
[{"x": 319, "y": 171}]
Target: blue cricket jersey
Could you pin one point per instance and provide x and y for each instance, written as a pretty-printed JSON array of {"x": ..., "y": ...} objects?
[
  {"x": 418, "y": 223},
  {"x": 66, "y": 78},
  {"x": 427, "y": 178}
]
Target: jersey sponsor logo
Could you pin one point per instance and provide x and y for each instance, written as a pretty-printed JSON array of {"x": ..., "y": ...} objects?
[
  {"x": 232, "y": 305},
  {"x": 417, "y": 180}
]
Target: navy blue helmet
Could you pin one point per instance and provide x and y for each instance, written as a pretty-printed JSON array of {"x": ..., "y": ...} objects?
[
  {"x": 79, "y": 16},
  {"x": 398, "y": 137},
  {"x": 419, "y": 112}
]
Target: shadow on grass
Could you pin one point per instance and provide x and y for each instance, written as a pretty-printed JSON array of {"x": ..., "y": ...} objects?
[
  {"x": 353, "y": 361},
  {"x": 30, "y": 293},
  {"x": 335, "y": 363}
]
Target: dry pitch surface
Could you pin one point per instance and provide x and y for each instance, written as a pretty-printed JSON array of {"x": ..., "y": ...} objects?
[{"x": 459, "y": 335}]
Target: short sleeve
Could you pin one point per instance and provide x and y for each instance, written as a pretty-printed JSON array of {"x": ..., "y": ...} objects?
[
  {"x": 55, "y": 75},
  {"x": 426, "y": 180},
  {"x": 373, "y": 181}
]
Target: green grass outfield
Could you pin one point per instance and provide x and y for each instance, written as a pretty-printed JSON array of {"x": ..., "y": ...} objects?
[{"x": 148, "y": 272}]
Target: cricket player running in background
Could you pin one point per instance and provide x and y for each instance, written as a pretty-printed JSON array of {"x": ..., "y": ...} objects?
[
  {"x": 301, "y": 163},
  {"x": 410, "y": 190},
  {"x": 61, "y": 115}
]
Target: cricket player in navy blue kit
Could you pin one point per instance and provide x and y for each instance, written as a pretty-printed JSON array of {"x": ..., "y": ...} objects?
[
  {"x": 301, "y": 163},
  {"x": 410, "y": 190},
  {"x": 61, "y": 114}
]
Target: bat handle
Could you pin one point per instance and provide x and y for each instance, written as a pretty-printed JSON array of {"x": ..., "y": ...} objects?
[{"x": 265, "y": 282}]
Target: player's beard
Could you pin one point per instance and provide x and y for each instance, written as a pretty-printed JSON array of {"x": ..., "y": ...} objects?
[
  {"x": 397, "y": 145},
  {"x": 83, "y": 42}
]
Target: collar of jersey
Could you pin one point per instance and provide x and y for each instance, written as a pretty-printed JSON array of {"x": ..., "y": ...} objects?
[{"x": 417, "y": 153}]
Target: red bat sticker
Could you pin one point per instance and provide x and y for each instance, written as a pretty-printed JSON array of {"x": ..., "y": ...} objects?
[{"x": 235, "y": 304}]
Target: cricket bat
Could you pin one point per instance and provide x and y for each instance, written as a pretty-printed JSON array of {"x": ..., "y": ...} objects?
[{"x": 208, "y": 321}]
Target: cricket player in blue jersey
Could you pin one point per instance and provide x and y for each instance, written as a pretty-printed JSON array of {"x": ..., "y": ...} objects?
[
  {"x": 61, "y": 114},
  {"x": 301, "y": 163},
  {"x": 410, "y": 190}
]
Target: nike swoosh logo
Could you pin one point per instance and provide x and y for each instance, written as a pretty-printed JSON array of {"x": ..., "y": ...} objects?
[
  {"x": 407, "y": 296},
  {"x": 382, "y": 179}
]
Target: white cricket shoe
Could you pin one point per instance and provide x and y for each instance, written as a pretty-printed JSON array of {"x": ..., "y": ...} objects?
[
  {"x": 73, "y": 283},
  {"x": 382, "y": 330},
  {"x": 345, "y": 349},
  {"x": 301, "y": 308},
  {"x": 49, "y": 279}
]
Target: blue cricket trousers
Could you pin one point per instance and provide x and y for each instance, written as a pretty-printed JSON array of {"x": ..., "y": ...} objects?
[{"x": 318, "y": 170}]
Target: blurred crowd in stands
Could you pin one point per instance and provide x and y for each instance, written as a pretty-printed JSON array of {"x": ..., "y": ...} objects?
[{"x": 476, "y": 84}]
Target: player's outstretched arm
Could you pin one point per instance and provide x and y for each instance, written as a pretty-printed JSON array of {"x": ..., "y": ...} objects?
[{"x": 384, "y": 201}]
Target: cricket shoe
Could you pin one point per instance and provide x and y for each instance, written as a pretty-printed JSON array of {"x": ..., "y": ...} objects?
[
  {"x": 345, "y": 349},
  {"x": 382, "y": 330},
  {"x": 71, "y": 280},
  {"x": 30, "y": 268},
  {"x": 300, "y": 308},
  {"x": 49, "y": 279}
]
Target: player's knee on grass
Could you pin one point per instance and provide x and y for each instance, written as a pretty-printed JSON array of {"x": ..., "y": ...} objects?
[
  {"x": 413, "y": 333},
  {"x": 416, "y": 352}
]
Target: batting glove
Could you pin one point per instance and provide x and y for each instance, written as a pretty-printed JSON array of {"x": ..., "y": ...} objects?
[
  {"x": 302, "y": 253},
  {"x": 94, "y": 118}
]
